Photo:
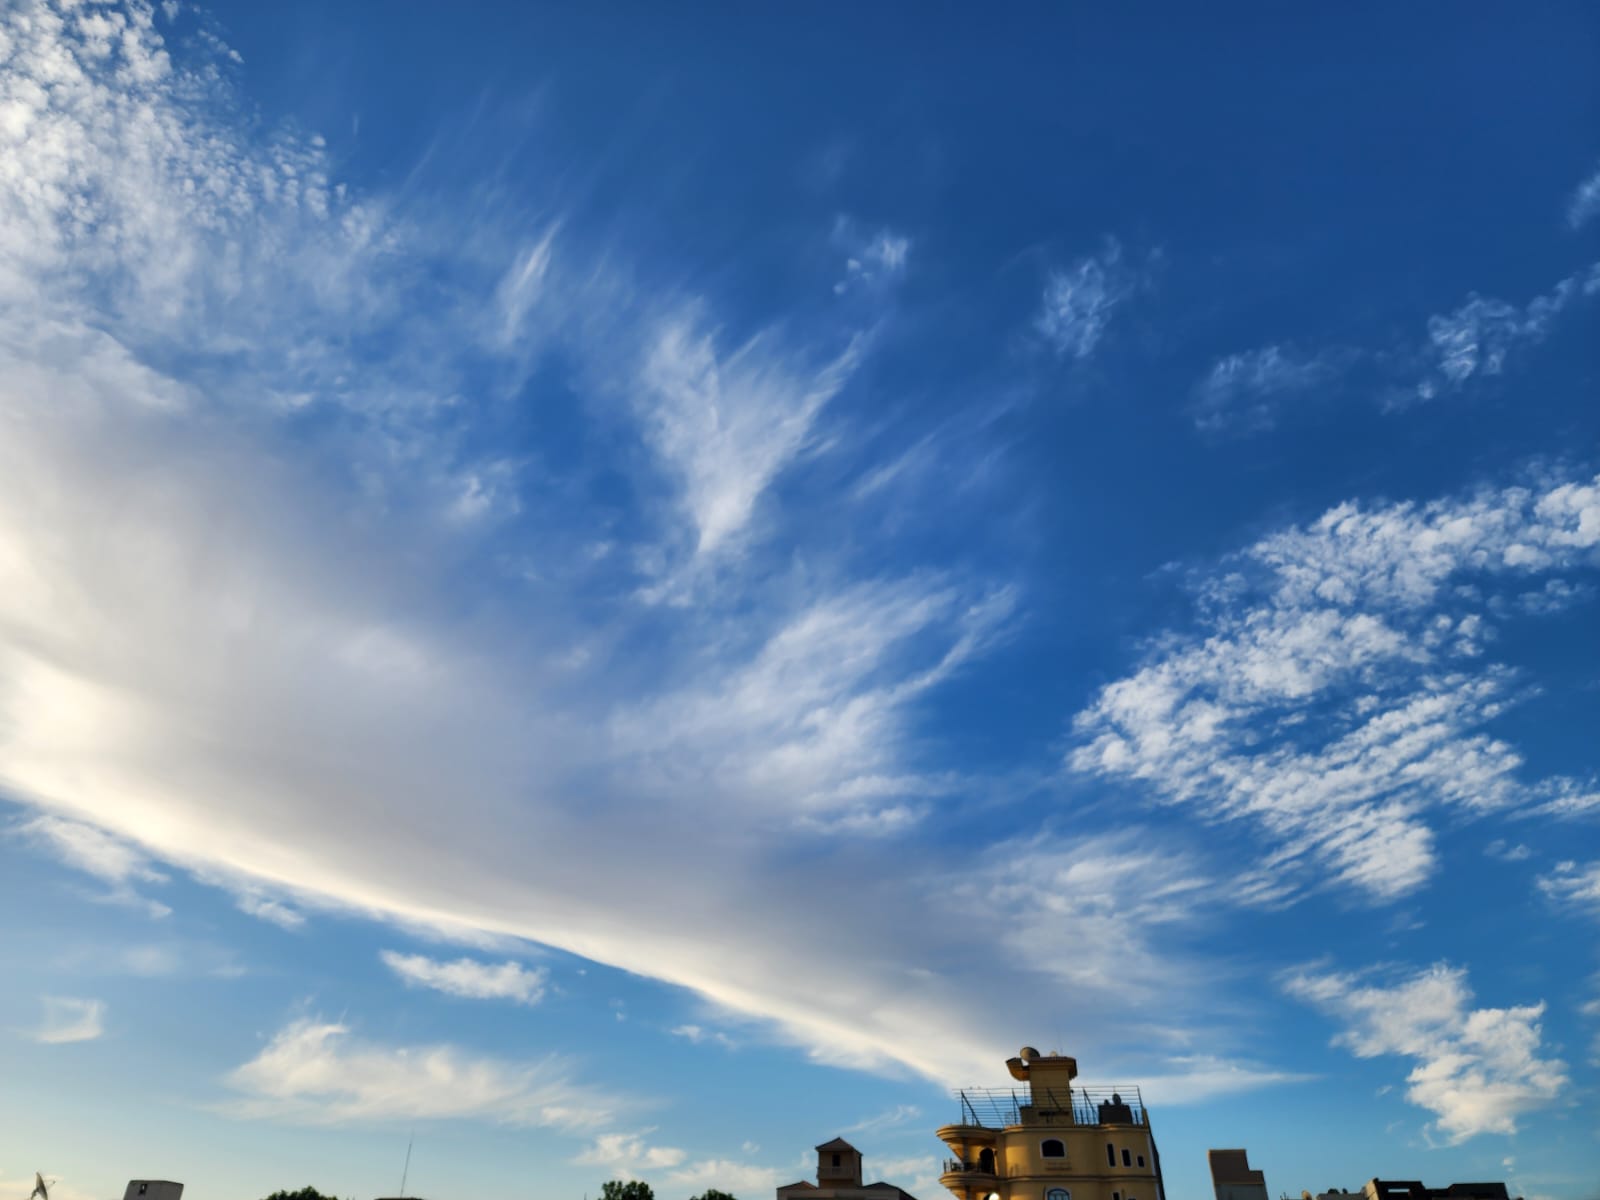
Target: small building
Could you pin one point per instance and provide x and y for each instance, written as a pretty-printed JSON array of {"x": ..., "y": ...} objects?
[
  {"x": 839, "y": 1178},
  {"x": 1058, "y": 1142},
  {"x": 1233, "y": 1178},
  {"x": 153, "y": 1189},
  {"x": 1413, "y": 1189}
]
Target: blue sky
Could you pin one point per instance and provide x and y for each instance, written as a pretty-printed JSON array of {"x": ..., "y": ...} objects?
[{"x": 623, "y": 591}]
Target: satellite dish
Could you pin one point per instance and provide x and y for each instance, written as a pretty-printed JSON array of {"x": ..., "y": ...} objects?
[
  {"x": 1028, "y": 1054},
  {"x": 41, "y": 1190}
]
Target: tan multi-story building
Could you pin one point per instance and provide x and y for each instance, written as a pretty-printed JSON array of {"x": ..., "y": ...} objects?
[{"x": 1053, "y": 1141}]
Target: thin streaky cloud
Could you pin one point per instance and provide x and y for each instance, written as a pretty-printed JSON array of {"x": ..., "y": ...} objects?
[
  {"x": 70, "y": 1019},
  {"x": 1080, "y": 300},
  {"x": 470, "y": 978}
]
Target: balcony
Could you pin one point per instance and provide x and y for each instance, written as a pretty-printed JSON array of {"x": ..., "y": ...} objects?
[
  {"x": 954, "y": 1166},
  {"x": 1001, "y": 1108}
]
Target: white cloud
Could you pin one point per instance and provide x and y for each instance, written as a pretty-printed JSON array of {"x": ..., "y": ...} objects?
[
  {"x": 1476, "y": 338},
  {"x": 315, "y": 1072},
  {"x": 1574, "y": 884},
  {"x": 889, "y": 1119},
  {"x": 697, "y": 1035},
  {"x": 628, "y": 1155},
  {"x": 470, "y": 978},
  {"x": 1505, "y": 852},
  {"x": 1477, "y": 1070},
  {"x": 67, "y": 1019},
  {"x": 91, "y": 850},
  {"x": 871, "y": 262},
  {"x": 1584, "y": 203},
  {"x": 274, "y": 912},
  {"x": 1079, "y": 300},
  {"x": 266, "y": 649},
  {"x": 729, "y": 1175},
  {"x": 1243, "y": 391},
  {"x": 727, "y": 424},
  {"x": 1337, "y": 689}
]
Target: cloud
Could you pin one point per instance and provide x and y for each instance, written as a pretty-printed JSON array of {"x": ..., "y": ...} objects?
[
  {"x": 1574, "y": 884},
  {"x": 699, "y": 1036},
  {"x": 315, "y": 1072},
  {"x": 97, "y": 853},
  {"x": 1337, "y": 686},
  {"x": 725, "y": 425},
  {"x": 274, "y": 912},
  {"x": 889, "y": 1119},
  {"x": 1079, "y": 300},
  {"x": 627, "y": 1155},
  {"x": 1505, "y": 852},
  {"x": 1477, "y": 1070},
  {"x": 728, "y": 1175},
  {"x": 871, "y": 262},
  {"x": 469, "y": 977},
  {"x": 70, "y": 1020},
  {"x": 1476, "y": 338},
  {"x": 1243, "y": 391},
  {"x": 277, "y": 610},
  {"x": 1584, "y": 203}
]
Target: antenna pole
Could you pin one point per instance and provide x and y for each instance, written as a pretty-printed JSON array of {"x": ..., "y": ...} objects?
[{"x": 407, "y": 1170}]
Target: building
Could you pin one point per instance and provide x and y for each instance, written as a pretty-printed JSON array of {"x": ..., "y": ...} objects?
[
  {"x": 153, "y": 1189},
  {"x": 839, "y": 1178},
  {"x": 1233, "y": 1178},
  {"x": 1055, "y": 1142}
]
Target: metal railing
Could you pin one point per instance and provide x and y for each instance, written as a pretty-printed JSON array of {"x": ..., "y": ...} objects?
[{"x": 996, "y": 1108}]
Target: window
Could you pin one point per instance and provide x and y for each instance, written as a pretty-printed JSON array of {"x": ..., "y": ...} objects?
[
  {"x": 1052, "y": 1148},
  {"x": 836, "y": 1160},
  {"x": 986, "y": 1161},
  {"x": 1141, "y": 1160},
  {"x": 1116, "y": 1196},
  {"x": 1058, "y": 1194},
  {"x": 1127, "y": 1159},
  {"x": 1111, "y": 1155}
]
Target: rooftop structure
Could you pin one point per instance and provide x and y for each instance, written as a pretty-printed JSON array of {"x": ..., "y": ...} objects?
[
  {"x": 1050, "y": 1140},
  {"x": 1233, "y": 1178},
  {"x": 839, "y": 1178}
]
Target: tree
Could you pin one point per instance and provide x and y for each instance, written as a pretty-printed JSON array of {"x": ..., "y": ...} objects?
[
  {"x": 712, "y": 1194},
  {"x": 633, "y": 1189},
  {"x": 305, "y": 1193}
]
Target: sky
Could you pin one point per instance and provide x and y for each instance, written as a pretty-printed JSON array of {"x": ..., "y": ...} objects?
[{"x": 617, "y": 591}]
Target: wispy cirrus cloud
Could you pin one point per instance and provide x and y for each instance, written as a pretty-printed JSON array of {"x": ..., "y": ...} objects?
[
  {"x": 1584, "y": 203},
  {"x": 1079, "y": 300},
  {"x": 70, "y": 1019},
  {"x": 1574, "y": 884},
  {"x": 318, "y": 1072},
  {"x": 1478, "y": 337},
  {"x": 95, "y": 852},
  {"x": 1338, "y": 687},
  {"x": 470, "y": 978},
  {"x": 1243, "y": 391},
  {"x": 1478, "y": 1070}
]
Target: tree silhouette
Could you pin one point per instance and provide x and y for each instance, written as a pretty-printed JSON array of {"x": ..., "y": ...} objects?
[
  {"x": 712, "y": 1194},
  {"x": 305, "y": 1193},
  {"x": 633, "y": 1189}
]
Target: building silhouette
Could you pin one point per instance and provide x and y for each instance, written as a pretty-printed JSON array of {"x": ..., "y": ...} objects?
[
  {"x": 839, "y": 1178},
  {"x": 1051, "y": 1140},
  {"x": 1234, "y": 1178}
]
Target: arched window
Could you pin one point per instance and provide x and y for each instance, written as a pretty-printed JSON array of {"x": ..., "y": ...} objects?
[
  {"x": 986, "y": 1161},
  {"x": 1058, "y": 1194},
  {"x": 1052, "y": 1148}
]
